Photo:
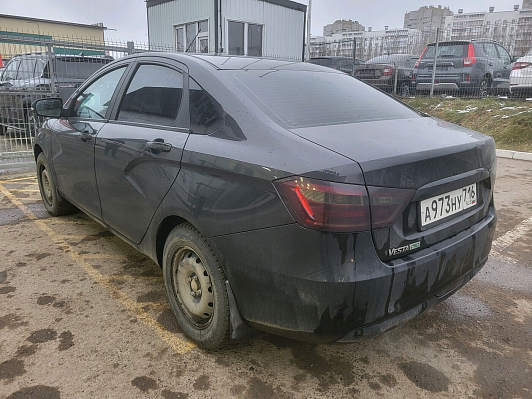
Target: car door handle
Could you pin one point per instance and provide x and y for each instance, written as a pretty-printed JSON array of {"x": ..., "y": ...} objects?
[
  {"x": 85, "y": 136},
  {"x": 158, "y": 146}
]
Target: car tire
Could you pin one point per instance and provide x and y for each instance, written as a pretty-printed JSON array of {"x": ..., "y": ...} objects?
[
  {"x": 196, "y": 288},
  {"x": 484, "y": 87},
  {"x": 54, "y": 203},
  {"x": 404, "y": 90}
]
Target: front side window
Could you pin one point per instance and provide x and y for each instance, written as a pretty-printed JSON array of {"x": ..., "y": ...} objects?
[
  {"x": 94, "y": 102},
  {"x": 11, "y": 70},
  {"x": 26, "y": 69},
  {"x": 153, "y": 96},
  {"x": 205, "y": 117},
  {"x": 491, "y": 51},
  {"x": 504, "y": 54}
]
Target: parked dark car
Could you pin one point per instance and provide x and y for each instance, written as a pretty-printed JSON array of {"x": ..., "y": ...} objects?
[
  {"x": 344, "y": 64},
  {"x": 380, "y": 72},
  {"x": 286, "y": 197},
  {"x": 477, "y": 67},
  {"x": 30, "y": 76}
]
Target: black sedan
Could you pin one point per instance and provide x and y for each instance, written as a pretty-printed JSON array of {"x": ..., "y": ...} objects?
[
  {"x": 390, "y": 73},
  {"x": 284, "y": 197}
]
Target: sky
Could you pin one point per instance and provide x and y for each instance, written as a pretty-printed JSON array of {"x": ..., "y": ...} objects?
[{"x": 128, "y": 17}]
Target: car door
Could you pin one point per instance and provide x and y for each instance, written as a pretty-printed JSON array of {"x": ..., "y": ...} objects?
[
  {"x": 495, "y": 64},
  {"x": 507, "y": 66},
  {"x": 138, "y": 153},
  {"x": 74, "y": 138}
]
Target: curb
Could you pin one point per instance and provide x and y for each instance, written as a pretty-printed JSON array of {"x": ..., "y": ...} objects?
[{"x": 522, "y": 156}]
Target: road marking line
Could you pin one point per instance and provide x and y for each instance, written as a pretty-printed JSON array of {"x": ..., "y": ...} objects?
[
  {"x": 125, "y": 277},
  {"x": 504, "y": 241},
  {"x": 181, "y": 346},
  {"x": 18, "y": 179},
  {"x": 510, "y": 237},
  {"x": 25, "y": 190},
  {"x": 103, "y": 256}
]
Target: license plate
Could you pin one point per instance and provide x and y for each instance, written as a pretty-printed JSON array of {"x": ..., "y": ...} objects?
[{"x": 445, "y": 205}]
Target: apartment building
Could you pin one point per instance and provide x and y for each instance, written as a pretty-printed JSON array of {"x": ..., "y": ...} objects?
[
  {"x": 341, "y": 26},
  {"x": 427, "y": 18}
]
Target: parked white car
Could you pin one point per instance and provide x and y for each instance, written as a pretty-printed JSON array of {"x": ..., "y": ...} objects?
[{"x": 521, "y": 76}]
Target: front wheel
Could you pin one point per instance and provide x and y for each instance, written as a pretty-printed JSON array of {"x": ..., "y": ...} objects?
[
  {"x": 54, "y": 203},
  {"x": 196, "y": 289}
]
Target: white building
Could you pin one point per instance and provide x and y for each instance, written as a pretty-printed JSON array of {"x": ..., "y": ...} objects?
[
  {"x": 263, "y": 28},
  {"x": 370, "y": 43},
  {"x": 426, "y": 18},
  {"x": 512, "y": 29}
]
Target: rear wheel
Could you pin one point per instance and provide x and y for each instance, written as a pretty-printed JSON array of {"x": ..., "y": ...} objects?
[
  {"x": 483, "y": 88},
  {"x": 195, "y": 284},
  {"x": 405, "y": 90},
  {"x": 53, "y": 202}
]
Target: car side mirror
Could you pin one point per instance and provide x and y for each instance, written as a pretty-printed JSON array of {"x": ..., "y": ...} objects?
[
  {"x": 515, "y": 58},
  {"x": 48, "y": 107}
]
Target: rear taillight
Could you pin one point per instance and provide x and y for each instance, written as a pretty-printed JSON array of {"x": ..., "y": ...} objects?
[
  {"x": 388, "y": 71},
  {"x": 521, "y": 65},
  {"x": 419, "y": 60},
  {"x": 328, "y": 206},
  {"x": 338, "y": 207},
  {"x": 471, "y": 58}
]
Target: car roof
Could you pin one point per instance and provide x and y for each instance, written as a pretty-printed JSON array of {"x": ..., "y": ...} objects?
[{"x": 226, "y": 63}]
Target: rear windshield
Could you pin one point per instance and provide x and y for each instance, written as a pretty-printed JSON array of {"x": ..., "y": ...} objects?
[
  {"x": 304, "y": 99},
  {"x": 76, "y": 68},
  {"x": 451, "y": 50}
]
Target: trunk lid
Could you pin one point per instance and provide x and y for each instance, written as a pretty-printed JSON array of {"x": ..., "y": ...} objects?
[{"x": 425, "y": 155}]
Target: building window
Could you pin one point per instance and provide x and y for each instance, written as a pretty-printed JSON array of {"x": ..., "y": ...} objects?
[
  {"x": 255, "y": 40},
  {"x": 244, "y": 38},
  {"x": 193, "y": 37}
]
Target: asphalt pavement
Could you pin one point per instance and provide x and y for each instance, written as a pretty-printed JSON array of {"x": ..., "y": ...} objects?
[{"x": 83, "y": 315}]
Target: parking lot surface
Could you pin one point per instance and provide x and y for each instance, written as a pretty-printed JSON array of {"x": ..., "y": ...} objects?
[{"x": 83, "y": 315}]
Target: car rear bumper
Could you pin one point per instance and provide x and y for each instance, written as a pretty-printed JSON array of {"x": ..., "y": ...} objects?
[{"x": 323, "y": 288}]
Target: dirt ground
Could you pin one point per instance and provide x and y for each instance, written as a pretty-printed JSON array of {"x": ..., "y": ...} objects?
[{"x": 83, "y": 315}]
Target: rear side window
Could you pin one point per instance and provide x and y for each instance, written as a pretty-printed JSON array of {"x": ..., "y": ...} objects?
[
  {"x": 205, "y": 117},
  {"x": 304, "y": 99},
  {"x": 153, "y": 96},
  {"x": 449, "y": 50},
  {"x": 491, "y": 51}
]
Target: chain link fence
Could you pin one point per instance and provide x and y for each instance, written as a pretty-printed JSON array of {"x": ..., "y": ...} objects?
[
  {"x": 462, "y": 60},
  {"x": 35, "y": 66}
]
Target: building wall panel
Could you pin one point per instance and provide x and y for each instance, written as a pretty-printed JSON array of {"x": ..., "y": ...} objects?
[{"x": 163, "y": 18}]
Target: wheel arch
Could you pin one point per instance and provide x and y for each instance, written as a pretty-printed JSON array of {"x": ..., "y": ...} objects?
[
  {"x": 37, "y": 149},
  {"x": 163, "y": 231}
]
